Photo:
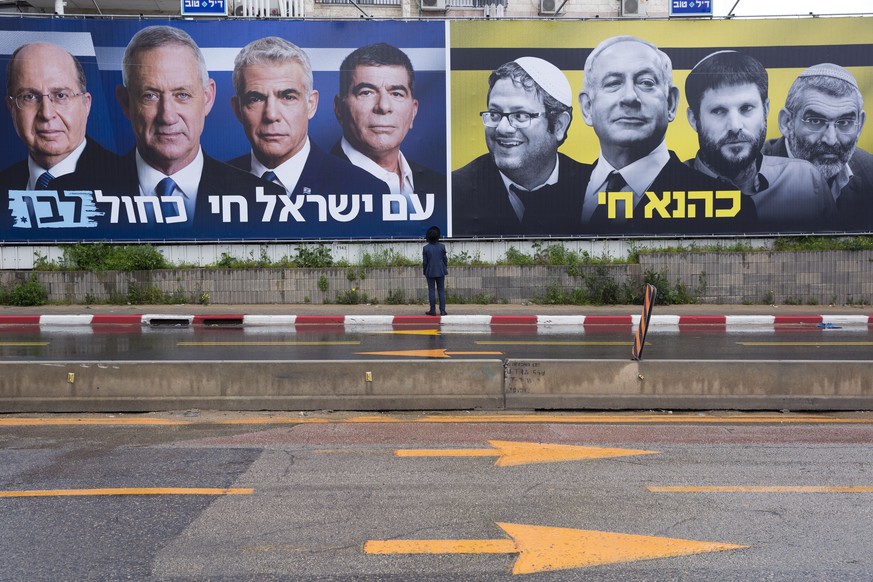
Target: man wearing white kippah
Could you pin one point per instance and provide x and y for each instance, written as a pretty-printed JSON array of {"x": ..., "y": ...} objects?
[
  {"x": 523, "y": 185},
  {"x": 821, "y": 123}
]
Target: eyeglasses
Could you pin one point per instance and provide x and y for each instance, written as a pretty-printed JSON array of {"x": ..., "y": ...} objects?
[
  {"x": 517, "y": 119},
  {"x": 60, "y": 99},
  {"x": 820, "y": 124}
]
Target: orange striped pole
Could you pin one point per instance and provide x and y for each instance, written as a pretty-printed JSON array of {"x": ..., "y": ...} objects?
[{"x": 640, "y": 338}]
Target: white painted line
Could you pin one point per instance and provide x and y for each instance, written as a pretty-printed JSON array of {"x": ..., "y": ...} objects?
[
  {"x": 65, "y": 319},
  {"x": 549, "y": 320},
  {"x": 752, "y": 320},
  {"x": 269, "y": 319},
  {"x": 664, "y": 321},
  {"x": 469, "y": 320},
  {"x": 369, "y": 320},
  {"x": 846, "y": 320}
]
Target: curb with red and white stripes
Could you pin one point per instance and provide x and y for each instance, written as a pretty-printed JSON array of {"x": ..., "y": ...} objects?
[{"x": 562, "y": 322}]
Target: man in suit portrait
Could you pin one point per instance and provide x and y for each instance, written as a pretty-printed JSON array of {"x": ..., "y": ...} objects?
[
  {"x": 166, "y": 95},
  {"x": 727, "y": 107},
  {"x": 821, "y": 122},
  {"x": 376, "y": 107},
  {"x": 629, "y": 99},
  {"x": 274, "y": 101},
  {"x": 49, "y": 103},
  {"x": 523, "y": 185}
]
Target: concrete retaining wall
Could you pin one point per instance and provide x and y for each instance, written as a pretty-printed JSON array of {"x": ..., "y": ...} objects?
[
  {"x": 250, "y": 385},
  {"x": 429, "y": 385},
  {"x": 813, "y": 278}
]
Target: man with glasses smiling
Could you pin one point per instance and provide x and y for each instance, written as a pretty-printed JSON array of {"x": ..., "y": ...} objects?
[
  {"x": 49, "y": 104},
  {"x": 821, "y": 123},
  {"x": 523, "y": 185}
]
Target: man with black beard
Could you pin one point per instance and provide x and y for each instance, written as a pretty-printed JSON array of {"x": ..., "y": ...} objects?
[
  {"x": 822, "y": 121},
  {"x": 728, "y": 106}
]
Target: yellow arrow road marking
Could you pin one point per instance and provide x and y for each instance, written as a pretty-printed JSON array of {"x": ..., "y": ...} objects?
[
  {"x": 510, "y": 454},
  {"x": 438, "y": 353},
  {"x": 338, "y": 343},
  {"x": 805, "y": 344},
  {"x": 545, "y": 549},
  {"x": 125, "y": 491},
  {"x": 550, "y": 343},
  {"x": 759, "y": 489}
]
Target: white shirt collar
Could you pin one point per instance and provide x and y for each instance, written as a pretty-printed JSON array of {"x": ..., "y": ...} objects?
[
  {"x": 396, "y": 185},
  {"x": 517, "y": 204},
  {"x": 840, "y": 180},
  {"x": 62, "y": 168},
  {"x": 288, "y": 172},
  {"x": 639, "y": 175},
  {"x": 187, "y": 179}
]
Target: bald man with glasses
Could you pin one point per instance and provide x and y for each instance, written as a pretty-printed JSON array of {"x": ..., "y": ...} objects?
[
  {"x": 46, "y": 96},
  {"x": 523, "y": 185}
]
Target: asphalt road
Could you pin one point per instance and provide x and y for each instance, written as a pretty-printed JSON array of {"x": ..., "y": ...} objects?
[
  {"x": 321, "y": 343},
  {"x": 230, "y": 497}
]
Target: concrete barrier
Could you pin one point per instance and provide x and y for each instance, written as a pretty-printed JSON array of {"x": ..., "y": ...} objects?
[
  {"x": 688, "y": 384},
  {"x": 141, "y": 386},
  {"x": 137, "y": 386}
]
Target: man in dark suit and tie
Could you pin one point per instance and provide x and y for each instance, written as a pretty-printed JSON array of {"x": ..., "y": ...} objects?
[
  {"x": 629, "y": 99},
  {"x": 274, "y": 101},
  {"x": 523, "y": 185},
  {"x": 49, "y": 103},
  {"x": 376, "y": 107},
  {"x": 166, "y": 95}
]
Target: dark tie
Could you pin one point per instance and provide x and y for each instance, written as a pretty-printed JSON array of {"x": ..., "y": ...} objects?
[
  {"x": 539, "y": 211},
  {"x": 269, "y": 176},
  {"x": 43, "y": 181},
  {"x": 165, "y": 188},
  {"x": 615, "y": 183}
]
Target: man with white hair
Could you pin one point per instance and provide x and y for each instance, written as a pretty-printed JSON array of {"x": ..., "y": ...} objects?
[
  {"x": 274, "y": 100},
  {"x": 629, "y": 99},
  {"x": 166, "y": 95},
  {"x": 821, "y": 122},
  {"x": 523, "y": 185}
]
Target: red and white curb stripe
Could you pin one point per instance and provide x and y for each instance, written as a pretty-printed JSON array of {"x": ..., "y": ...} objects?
[{"x": 556, "y": 323}]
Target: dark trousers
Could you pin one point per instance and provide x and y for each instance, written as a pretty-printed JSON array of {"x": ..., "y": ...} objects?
[{"x": 434, "y": 285}]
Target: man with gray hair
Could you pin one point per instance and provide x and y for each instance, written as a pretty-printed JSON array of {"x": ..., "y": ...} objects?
[
  {"x": 166, "y": 95},
  {"x": 523, "y": 185},
  {"x": 821, "y": 122},
  {"x": 727, "y": 94},
  {"x": 274, "y": 101},
  {"x": 629, "y": 99}
]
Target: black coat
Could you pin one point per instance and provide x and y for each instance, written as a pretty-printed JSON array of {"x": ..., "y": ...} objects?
[{"x": 481, "y": 206}]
